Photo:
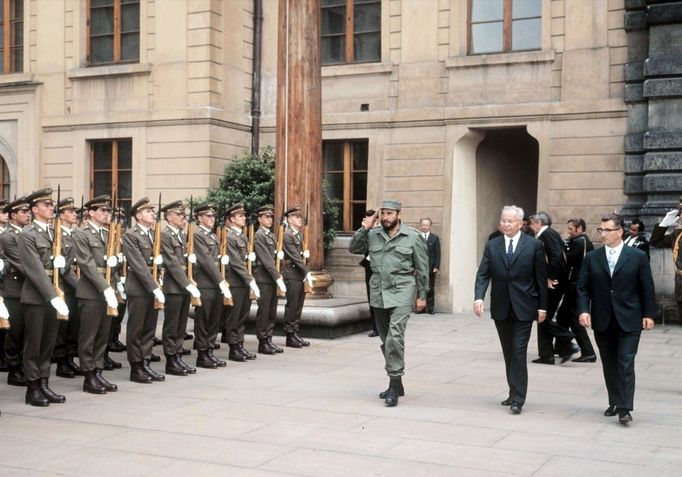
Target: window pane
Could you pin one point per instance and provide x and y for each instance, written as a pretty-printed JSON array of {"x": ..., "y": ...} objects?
[
  {"x": 333, "y": 20},
  {"x": 102, "y": 183},
  {"x": 333, "y": 49},
  {"x": 526, "y": 8},
  {"x": 125, "y": 185},
  {"x": 18, "y": 59},
  {"x": 17, "y": 8},
  {"x": 333, "y": 156},
  {"x": 125, "y": 154},
  {"x": 102, "y": 21},
  {"x": 360, "y": 155},
  {"x": 526, "y": 34},
  {"x": 130, "y": 46},
  {"x": 486, "y": 37},
  {"x": 17, "y": 33},
  {"x": 332, "y": 3},
  {"x": 101, "y": 3},
  {"x": 102, "y": 49},
  {"x": 2, "y": 36},
  {"x": 102, "y": 155},
  {"x": 359, "y": 186},
  {"x": 367, "y": 47},
  {"x": 130, "y": 17},
  {"x": 358, "y": 215},
  {"x": 367, "y": 17},
  {"x": 335, "y": 181},
  {"x": 486, "y": 10}
]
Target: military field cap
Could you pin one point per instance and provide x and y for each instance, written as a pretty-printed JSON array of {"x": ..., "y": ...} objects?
[
  {"x": 42, "y": 195},
  {"x": 268, "y": 209},
  {"x": 16, "y": 204},
  {"x": 3, "y": 203},
  {"x": 293, "y": 211},
  {"x": 102, "y": 201},
  {"x": 141, "y": 204},
  {"x": 178, "y": 207},
  {"x": 391, "y": 204},
  {"x": 235, "y": 209},
  {"x": 205, "y": 208},
  {"x": 67, "y": 204}
]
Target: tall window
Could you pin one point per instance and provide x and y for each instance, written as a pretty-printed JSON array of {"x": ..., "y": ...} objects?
[
  {"x": 111, "y": 166},
  {"x": 345, "y": 169},
  {"x": 113, "y": 31},
  {"x": 351, "y": 31},
  {"x": 12, "y": 35},
  {"x": 4, "y": 178},
  {"x": 504, "y": 25}
]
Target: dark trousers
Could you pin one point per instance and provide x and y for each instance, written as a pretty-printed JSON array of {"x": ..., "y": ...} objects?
[
  {"x": 93, "y": 334},
  {"x": 294, "y": 306},
  {"x": 567, "y": 317},
  {"x": 175, "y": 322},
  {"x": 142, "y": 318},
  {"x": 236, "y": 321},
  {"x": 550, "y": 328},
  {"x": 267, "y": 310},
  {"x": 514, "y": 335},
  {"x": 430, "y": 295},
  {"x": 115, "y": 329},
  {"x": 14, "y": 341},
  {"x": 68, "y": 335},
  {"x": 40, "y": 337},
  {"x": 617, "y": 349},
  {"x": 207, "y": 318}
]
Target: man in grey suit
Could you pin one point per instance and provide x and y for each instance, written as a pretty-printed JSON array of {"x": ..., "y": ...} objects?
[{"x": 515, "y": 265}]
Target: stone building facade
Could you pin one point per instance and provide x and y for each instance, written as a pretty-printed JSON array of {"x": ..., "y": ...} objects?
[{"x": 452, "y": 133}]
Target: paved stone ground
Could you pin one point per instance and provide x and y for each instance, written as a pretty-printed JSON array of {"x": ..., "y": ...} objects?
[{"x": 315, "y": 412}]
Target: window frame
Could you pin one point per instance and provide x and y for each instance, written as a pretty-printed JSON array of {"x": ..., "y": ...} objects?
[
  {"x": 349, "y": 34},
  {"x": 4, "y": 186},
  {"x": 116, "y": 33},
  {"x": 506, "y": 29},
  {"x": 114, "y": 168},
  {"x": 347, "y": 202},
  {"x": 9, "y": 47}
]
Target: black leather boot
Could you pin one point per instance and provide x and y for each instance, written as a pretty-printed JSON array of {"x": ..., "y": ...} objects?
[
  {"x": 138, "y": 375},
  {"x": 74, "y": 367},
  {"x": 110, "y": 387},
  {"x": 51, "y": 396},
  {"x": 15, "y": 376},
  {"x": 157, "y": 377},
  {"x": 203, "y": 361},
  {"x": 172, "y": 366},
  {"x": 219, "y": 362},
  {"x": 235, "y": 355},
  {"x": 92, "y": 385},
  {"x": 63, "y": 369},
  {"x": 154, "y": 358},
  {"x": 115, "y": 346},
  {"x": 246, "y": 352},
  {"x": 301, "y": 340},
  {"x": 110, "y": 364},
  {"x": 401, "y": 390},
  {"x": 292, "y": 341},
  {"x": 264, "y": 347},
  {"x": 34, "y": 396},
  {"x": 185, "y": 366},
  {"x": 274, "y": 346},
  {"x": 391, "y": 398}
]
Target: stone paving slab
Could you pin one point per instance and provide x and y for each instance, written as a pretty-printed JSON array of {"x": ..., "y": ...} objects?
[{"x": 315, "y": 412}]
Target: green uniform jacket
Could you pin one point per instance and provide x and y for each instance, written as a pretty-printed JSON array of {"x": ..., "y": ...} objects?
[{"x": 400, "y": 265}]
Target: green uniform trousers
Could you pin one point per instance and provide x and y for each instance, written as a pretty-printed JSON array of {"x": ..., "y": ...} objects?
[{"x": 391, "y": 323}]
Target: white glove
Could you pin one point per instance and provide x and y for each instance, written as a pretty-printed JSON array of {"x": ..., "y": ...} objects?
[
  {"x": 306, "y": 254},
  {"x": 120, "y": 258},
  {"x": 59, "y": 262},
  {"x": 225, "y": 289},
  {"x": 2, "y": 264},
  {"x": 310, "y": 279},
  {"x": 280, "y": 254},
  {"x": 251, "y": 256},
  {"x": 670, "y": 218},
  {"x": 60, "y": 306},
  {"x": 254, "y": 288},
  {"x": 112, "y": 261},
  {"x": 192, "y": 258},
  {"x": 123, "y": 280},
  {"x": 110, "y": 297},
  {"x": 158, "y": 294},
  {"x": 281, "y": 285},
  {"x": 224, "y": 260},
  {"x": 158, "y": 260},
  {"x": 194, "y": 291},
  {"x": 4, "y": 312},
  {"x": 121, "y": 290}
]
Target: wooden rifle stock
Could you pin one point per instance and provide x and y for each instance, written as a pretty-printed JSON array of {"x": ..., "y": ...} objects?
[
  {"x": 223, "y": 251},
  {"x": 155, "y": 268},
  {"x": 56, "y": 252},
  {"x": 111, "y": 251},
  {"x": 306, "y": 285},
  {"x": 249, "y": 251},
  {"x": 117, "y": 251},
  {"x": 190, "y": 265}
]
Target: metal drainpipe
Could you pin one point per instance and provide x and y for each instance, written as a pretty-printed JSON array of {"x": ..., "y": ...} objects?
[{"x": 256, "y": 75}]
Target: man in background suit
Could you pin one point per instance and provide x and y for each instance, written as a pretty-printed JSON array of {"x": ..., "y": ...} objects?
[
  {"x": 637, "y": 237},
  {"x": 366, "y": 264},
  {"x": 515, "y": 264},
  {"x": 616, "y": 297},
  {"x": 433, "y": 247}
]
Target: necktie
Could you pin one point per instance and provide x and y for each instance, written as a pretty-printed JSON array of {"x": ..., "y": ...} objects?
[
  {"x": 424, "y": 235},
  {"x": 101, "y": 235},
  {"x": 612, "y": 260},
  {"x": 510, "y": 252}
]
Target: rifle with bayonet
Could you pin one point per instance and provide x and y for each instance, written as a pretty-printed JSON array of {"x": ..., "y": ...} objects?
[
  {"x": 110, "y": 252},
  {"x": 306, "y": 252},
  {"x": 156, "y": 253},
  {"x": 122, "y": 265},
  {"x": 249, "y": 251},
  {"x": 57, "y": 251},
  {"x": 280, "y": 252},
  {"x": 190, "y": 250},
  {"x": 223, "y": 252}
]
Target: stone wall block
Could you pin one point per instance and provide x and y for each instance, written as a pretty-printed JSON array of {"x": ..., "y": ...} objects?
[
  {"x": 664, "y": 13},
  {"x": 633, "y": 143},
  {"x": 662, "y": 161},
  {"x": 634, "y": 163},
  {"x": 633, "y": 72},
  {"x": 667, "y": 65},
  {"x": 662, "y": 182},
  {"x": 635, "y": 20},
  {"x": 632, "y": 184},
  {"x": 668, "y": 88},
  {"x": 663, "y": 139},
  {"x": 633, "y": 92}
]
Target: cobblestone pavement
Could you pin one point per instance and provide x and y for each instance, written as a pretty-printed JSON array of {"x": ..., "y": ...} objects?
[{"x": 315, "y": 412}]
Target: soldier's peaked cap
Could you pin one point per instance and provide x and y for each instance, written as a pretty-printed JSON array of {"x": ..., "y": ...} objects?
[
  {"x": 67, "y": 204},
  {"x": 235, "y": 209},
  {"x": 204, "y": 208},
  {"x": 391, "y": 204},
  {"x": 42, "y": 195},
  {"x": 268, "y": 209},
  {"x": 143, "y": 203},
  {"x": 16, "y": 204},
  {"x": 177, "y": 206},
  {"x": 293, "y": 211},
  {"x": 97, "y": 202}
]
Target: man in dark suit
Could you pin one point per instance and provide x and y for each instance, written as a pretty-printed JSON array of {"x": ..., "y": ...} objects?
[
  {"x": 433, "y": 247},
  {"x": 637, "y": 238},
  {"x": 515, "y": 264},
  {"x": 616, "y": 297},
  {"x": 540, "y": 224},
  {"x": 367, "y": 265}
]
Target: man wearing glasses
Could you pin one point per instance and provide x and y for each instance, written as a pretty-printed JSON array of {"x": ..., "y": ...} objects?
[{"x": 616, "y": 297}]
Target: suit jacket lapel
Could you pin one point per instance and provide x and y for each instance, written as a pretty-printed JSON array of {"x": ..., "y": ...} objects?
[
  {"x": 604, "y": 261},
  {"x": 503, "y": 252},
  {"x": 622, "y": 258},
  {"x": 519, "y": 246}
]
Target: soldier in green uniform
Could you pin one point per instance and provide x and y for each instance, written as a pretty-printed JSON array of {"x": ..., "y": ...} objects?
[
  {"x": 399, "y": 283},
  {"x": 94, "y": 294},
  {"x": 40, "y": 299},
  {"x": 268, "y": 280},
  {"x": 13, "y": 281},
  {"x": 66, "y": 348}
]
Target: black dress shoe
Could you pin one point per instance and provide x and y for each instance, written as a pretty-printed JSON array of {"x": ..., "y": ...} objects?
[
  {"x": 274, "y": 346},
  {"x": 116, "y": 346},
  {"x": 172, "y": 366},
  {"x": 543, "y": 360},
  {"x": 219, "y": 362},
  {"x": 246, "y": 352},
  {"x": 154, "y": 358},
  {"x": 292, "y": 342},
  {"x": 516, "y": 407},
  {"x": 51, "y": 396},
  {"x": 506, "y": 402},
  {"x": 301, "y": 340},
  {"x": 15, "y": 376},
  {"x": 74, "y": 367},
  {"x": 373, "y": 334},
  {"x": 235, "y": 355},
  {"x": 34, "y": 396},
  {"x": 110, "y": 364},
  {"x": 157, "y": 342},
  {"x": 624, "y": 416},
  {"x": 187, "y": 367},
  {"x": 110, "y": 387},
  {"x": 611, "y": 411},
  {"x": 64, "y": 370},
  {"x": 264, "y": 347},
  {"x": 203, "y": 361},
  {"x": 156, "y": 377},
  {"x": 138, "y": 375},
  {"x": 189, "y": 336},
  {"x": 92, "y": 385},
  {"x": 590, "y": 358}
]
